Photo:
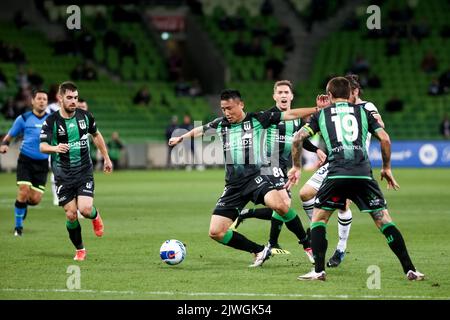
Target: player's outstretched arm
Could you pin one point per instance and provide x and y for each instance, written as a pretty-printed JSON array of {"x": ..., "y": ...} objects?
[
  {"x": 5, "y": 144},
  {"x": 44, "y": 147},
  {"x": 321, "y": 102},
  {"x": 99, "y": 142},
  {"x": 296, "y": 150},
  {"x": 194, "y": 133},
  {"x": 386, "y": 172}
]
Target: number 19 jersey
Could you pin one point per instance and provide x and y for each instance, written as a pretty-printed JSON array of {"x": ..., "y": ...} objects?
[{"x": 344, "y": 127}]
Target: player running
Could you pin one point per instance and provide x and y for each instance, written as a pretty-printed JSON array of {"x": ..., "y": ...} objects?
[
  {"x": 241, "y": 135},
  {"x": 65, "y": 135},
  {"x": 32, "y": 165},
  {"x": 344, "y": 127}
]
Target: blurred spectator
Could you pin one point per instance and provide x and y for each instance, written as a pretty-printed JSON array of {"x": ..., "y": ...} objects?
[
  {"x": 120, "y": 14},
  {"x": 111, "y": 39},
  {"x": 284, "y": 38},
  {"x": 3, "y": 80},
  {"x": 444, "y": 81},
  {"x": 429, "y": 63},
  {"x": 127, "y": 48},
  {"x": 115, "y": 147},
  {"x": 142, "y": 97},
  {"x": 394, "y": 104},
  {"x": 374, "y": 81},
  {"x": 169, "y": 130},
  {"x": 196, "y": 7},
  {"x": 10, "y": 53},
  {"x": 318, "y": 10},
  {"x": 86, "y": 44},
  {"x": 22, "y": 78},
  {"x": 393, "y": 46},
  {"x": 420, "y": 30},
  {"x": 240, "y": 47},
  {"x": 258, "y": 30},
  {"x": 52, "y": 93},
  {"x": 195, "y": 89},
  {"x": 35, "y": 80},
  {"x": 360, "y": 65},
  {"x": 352, "y": 24},
  {"x": 274, "y": 67},
  {"x": 9, "y": 109},
  {"x": 434, "y": 89},
  {"x": 175, "y": 64},
  {"x": 85, "y": 71},
  {"x": 266, "y": 8},
  {"x": 445, "y": 31},
  {"x": 182, "y": 88},
  {"x": 255, "y": 48},
  {"x": 19, "y": 20},
  {"x": 99, "y": 22},
  {"x": 445, "y": 127}
]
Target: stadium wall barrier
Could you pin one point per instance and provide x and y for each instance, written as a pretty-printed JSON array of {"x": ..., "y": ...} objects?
[{"x": 416, "y": 154}]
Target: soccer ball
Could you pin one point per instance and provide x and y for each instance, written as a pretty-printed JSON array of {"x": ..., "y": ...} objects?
[{"x": 172, "y": 252}]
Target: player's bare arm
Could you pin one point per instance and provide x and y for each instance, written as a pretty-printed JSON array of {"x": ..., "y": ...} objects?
[
  {"x": 297, "y": 148},
  {"x": 194, "y": 133},
  {"x": 386, "y": 172},
  {"x": 5, "y": 144},
  {"x": 99, "y": 142},
  {"x": 44, "y": 147},
  {"x": 321, "y": 102}
]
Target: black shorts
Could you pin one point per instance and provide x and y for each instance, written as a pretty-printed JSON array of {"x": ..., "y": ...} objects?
[
  {"x": 278, "y": 177},
  {"x": 235, "y": 197},
  {"x": 365, "y": 193},
  {"x": 32, "y": 172},
  {"x": 67, "y": 191}
]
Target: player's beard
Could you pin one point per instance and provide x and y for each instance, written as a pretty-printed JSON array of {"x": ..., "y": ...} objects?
[{"x": 69, "y": 109}]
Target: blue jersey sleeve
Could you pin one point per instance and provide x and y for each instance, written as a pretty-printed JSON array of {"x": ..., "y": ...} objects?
[{"x": 18, "y": 127}]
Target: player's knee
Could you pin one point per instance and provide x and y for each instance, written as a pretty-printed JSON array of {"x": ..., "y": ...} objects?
[
  {"x": 305, "y": 195},
  {"x": 23, "y": 193},
  {"x": 215, "y": 234},
  {"x": 71, "y": 215},
  {"x": 34, "y": 199},
  {"x": 86, "y": 211},
  {"x": 281, "y": 208}
]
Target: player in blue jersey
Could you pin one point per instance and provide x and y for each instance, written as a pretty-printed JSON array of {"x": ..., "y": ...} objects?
[{"x": 32, "y": 165}]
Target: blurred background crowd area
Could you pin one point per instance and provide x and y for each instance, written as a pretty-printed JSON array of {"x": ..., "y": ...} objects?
[{"x": 147, "y": 67}]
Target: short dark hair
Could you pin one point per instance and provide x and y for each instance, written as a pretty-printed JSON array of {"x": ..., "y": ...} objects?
[
  {"x": 354, "y": 82},
  {"x": 67, "y": 86},
  {"x": 228, "y": 94},
  {"x": 36, "y": 91},
  {"x": 81, "y": 100},
  {"x": 339, "y": 87}
]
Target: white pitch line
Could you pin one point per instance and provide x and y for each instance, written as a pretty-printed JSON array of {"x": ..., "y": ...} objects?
[{"x": 226, "y": 294}]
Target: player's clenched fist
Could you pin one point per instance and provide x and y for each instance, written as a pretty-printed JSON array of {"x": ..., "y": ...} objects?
[{"x": 175, "y": 140}]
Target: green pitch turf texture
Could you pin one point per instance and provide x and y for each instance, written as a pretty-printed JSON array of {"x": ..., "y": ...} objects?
[{"x": 141, "y": 209}]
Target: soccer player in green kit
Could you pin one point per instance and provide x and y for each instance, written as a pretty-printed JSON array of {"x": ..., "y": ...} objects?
[
  {"x": 344, "y": 127},
  {"x": 242, "y": 137},
  {"x": 65, "y": 135}
]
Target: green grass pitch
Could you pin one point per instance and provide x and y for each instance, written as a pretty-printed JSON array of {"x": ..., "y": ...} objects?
[{"x": 141, "y": 209}]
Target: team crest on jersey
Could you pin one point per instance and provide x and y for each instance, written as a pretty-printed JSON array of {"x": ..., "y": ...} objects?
[
  {"x": 82, "y": 124},
  {"x": 247, "y": 125}
]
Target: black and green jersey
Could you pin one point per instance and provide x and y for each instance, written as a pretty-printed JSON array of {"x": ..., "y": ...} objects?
[
  {"x": 76, "y": 162},
  {"x": 344, "y": 127},
  {"x": 279, "y": 141},
  {"x": 244, "y": 144}
]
